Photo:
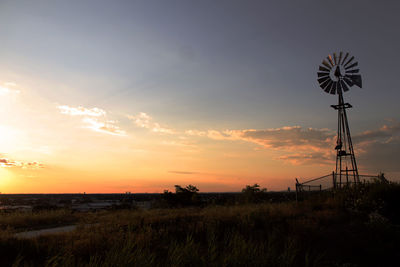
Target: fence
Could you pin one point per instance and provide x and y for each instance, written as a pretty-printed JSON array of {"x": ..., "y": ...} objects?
[{"x": 334, "y": 181}]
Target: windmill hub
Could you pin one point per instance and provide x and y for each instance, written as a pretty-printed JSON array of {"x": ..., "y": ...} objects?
[
  {"x": 335, "y": 76},
  {"x": 338, "y": 73}
]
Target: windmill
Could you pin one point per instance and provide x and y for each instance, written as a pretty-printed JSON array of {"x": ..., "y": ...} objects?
[{"x": 335, "y": 76}]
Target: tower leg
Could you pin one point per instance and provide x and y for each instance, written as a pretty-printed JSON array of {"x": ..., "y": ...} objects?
[{"x": 344, "y": 149}]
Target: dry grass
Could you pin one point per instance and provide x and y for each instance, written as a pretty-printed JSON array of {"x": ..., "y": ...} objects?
[
  {"x": 35, "y": 220},
  {"x": 317, "y": 232}
]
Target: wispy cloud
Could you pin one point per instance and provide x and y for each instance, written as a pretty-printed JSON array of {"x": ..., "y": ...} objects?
[
  {"x": 302, "y": 145},
  {"x": 94, "y": 119},
  {"x": 144, "y": 120},
  {"x": 6, "y": 90},
  {"x": 81, "y": 111},
  {"x": 163, "y": 130},
  {"x": 195, "y": 133},
  {"x": 4, "y": 162},
  {"x": 286, "y": 138},
  {"x": 184, "y": 145},
  {"x": 296, "y": 144},
  {"x": 108, "y": 127},
  {"x": 309, "y": 158},
  {"x": 290, "y": 138},
  {"x": 383, "y": 134},
  {"x": 379, "y": 147},
  {"x": 11, "y": 84},
  {"x": 378, "y": 150},
  {"x": 183, "y": 172}
]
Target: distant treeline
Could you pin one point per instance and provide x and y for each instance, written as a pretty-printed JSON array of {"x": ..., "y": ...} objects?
[{"x": 183, "y": 196}]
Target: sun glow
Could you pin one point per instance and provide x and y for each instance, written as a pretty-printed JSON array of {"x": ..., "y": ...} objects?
[
  {"x": 9, "y": 136},
  {"x": 6, "y": 180}
]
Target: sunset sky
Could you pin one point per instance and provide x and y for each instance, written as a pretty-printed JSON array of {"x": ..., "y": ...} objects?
[{"x": 116, "y": 96}]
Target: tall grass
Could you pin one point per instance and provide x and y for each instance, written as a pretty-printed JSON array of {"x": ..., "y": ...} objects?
[
  {"x": 317, "y": 232},
  {"x": 35, "y": 220}
]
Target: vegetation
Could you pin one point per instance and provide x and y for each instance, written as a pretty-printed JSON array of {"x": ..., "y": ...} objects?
[
  {"x": 184, "y": 196},
  {"x": 36, "y": 220},
  {"x": 253, "y": 194},
  {"x": 353, "y": 227}
]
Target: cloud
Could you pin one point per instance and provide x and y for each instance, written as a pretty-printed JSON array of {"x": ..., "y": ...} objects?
[
  {"x": 195, "y": 133},
  {"x": 289, "y": 138},
  {"x": 302, "y": 145},
  {"x": 309, "y": 158},
  {"x": 107, "y": 127},
  {"x": 143, "y": 120},
  {"x": 381, "y": 156},
  {"x": 7, "y": 91},
  {"x": 183, "y": 172},
  {"x": 163, "y": 130},
  {"x": 184, "y": 145},
  {"x": 375, "y": 150},
  {"x": 12, "y": 84},
  {"x": 296, "y": 144},
  {"x": 383, "y": 134},
  {"x": 4, "y": 162},
  {"x": 225, "y": 135},
  {"x": 378, "y": 150},
  {"x": 81, "y": 111},
  {"x": 94, "y": 119}
]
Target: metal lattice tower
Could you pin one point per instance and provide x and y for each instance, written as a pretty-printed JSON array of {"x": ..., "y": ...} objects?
[{"x": 335, "y": 76}]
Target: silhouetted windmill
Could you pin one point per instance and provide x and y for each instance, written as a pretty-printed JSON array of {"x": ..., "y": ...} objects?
[{"x": 335, "y": 76}]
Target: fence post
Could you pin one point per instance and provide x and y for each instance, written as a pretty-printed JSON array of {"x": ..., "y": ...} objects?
[{"x": 333, "y": 180}]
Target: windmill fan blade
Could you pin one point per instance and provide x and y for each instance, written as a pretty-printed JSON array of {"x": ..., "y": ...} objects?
[
  {"x": 326, "y": 64},
  {"x": 350, "y": 60},
  {"x": 330, "y": 60},
  {"x": 348, "y": 80},
  {"x": 352, "y": 71},
  {"x": 324, "y": 69},
  {"x": 324, "y": 84},
  {"x": 323, "y": 79},
  {"x": 333, "y": 88},
  {"x": 356, "y": 79},
  {"x": 328, "y": 86},
  {"x": 338, "y": 72},
  {"x": 351, "y": 66},
  {"x": 345, "y": 57},
  {"x": 340, "y": 57},
  {"x": 322, "y": 74},
  {"x": 344, "y": 86}
]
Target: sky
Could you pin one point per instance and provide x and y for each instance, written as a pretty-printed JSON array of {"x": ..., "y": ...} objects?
[{"x": 116, "y": 96}]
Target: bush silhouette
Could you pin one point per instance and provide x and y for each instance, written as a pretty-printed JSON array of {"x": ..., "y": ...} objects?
[
  {"x": 184, "y": 196},
  {"x": 253, "y": 193}
]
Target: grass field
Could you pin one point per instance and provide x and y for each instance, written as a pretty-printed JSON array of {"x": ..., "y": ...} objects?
[{"x": 353, "y": 228}]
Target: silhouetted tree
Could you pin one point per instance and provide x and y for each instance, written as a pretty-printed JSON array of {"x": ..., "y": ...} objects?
[
  {"x": 184, "y": 196},
  {"x": 190, "y": 189},
  {"x": 253, "y": 193}
]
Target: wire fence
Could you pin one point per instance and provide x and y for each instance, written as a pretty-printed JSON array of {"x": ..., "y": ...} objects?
[{"x": 335, "y": 181}]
